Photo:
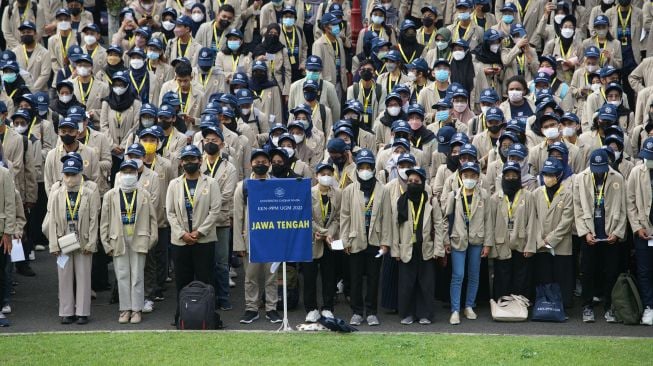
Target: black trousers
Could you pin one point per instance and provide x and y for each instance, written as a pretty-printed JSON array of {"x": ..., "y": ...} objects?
[
  {"x": 326, "y": 267},
  {"x": 417, "y": 286},
  {"x": 193, "y": 263},
  {"x": 512, "y": 276},
  {"x": 601, "y": 259},
  {"x": 559, "y": 269},
  {"x": 364, "y": 264},
  {"x": 161, "y": 257},
  {"x": 389, "y": 282}
]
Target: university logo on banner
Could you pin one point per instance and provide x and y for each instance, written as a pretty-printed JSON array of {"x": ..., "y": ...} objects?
[{"x": 280, "y": 217}]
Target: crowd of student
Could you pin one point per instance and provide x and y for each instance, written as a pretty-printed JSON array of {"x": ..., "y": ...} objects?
[{"x": 459, "y": 148}]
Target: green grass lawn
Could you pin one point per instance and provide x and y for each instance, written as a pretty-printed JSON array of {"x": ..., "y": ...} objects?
[{"x": 193, "y": 348}]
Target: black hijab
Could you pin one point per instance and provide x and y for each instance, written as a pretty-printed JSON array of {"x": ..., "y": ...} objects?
[
  {"x": 462, "y": 72},
  {"x": 120, "y": 103},
  {"x": 272, "y": 45},
  {"x": 402, "y": 209},
  {"x": 485, "y": 55}
]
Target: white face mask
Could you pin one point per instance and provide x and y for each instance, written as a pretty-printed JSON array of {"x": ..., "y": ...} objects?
[
  {"x": 567, "y": 32},
  {"x": 459, "y": 107},
  {"x": 617, "y": 155},
  {"x": 458, "y": 55},
  {"x": 90, "y": 39},
  {"x": 290, "y": 151},
  {"x": 298, "y": 138},
  {"x": 119, "y": 90},
  {"x": 411, "y": 76},
  {"x": 245, "y": 111},
  {"x": 469, "y": 183},
  {"x": 442, "y": 45},
  {"x": 515, "y": 95},
  {"x": 139, "y": 163},
  {"x": 147, "y": 122},
  {"x": 551, "y": 133},
  {"x": 20, "y": 129},
  {"x": 559, "y": 17},
  {"x": 402, "y": 173},
  {"x": 394, "y": 111},
  {"x": 365, "y": 174},
  {"x": 602, "y": 33},
  {"x": 136, "y": 63},
  {"x": 83, "y": 71},
  {"x": 128, "y": 182},
  {"x": 197, "y": 17},
  {"x": 325, "y": 180},
  {"x": 168, "y": 25},
  {"x": 65, "y": 98},
  {"x": 275, "y": 141},
  {"x": 592, "y": 68},
  {"x": 568, "y": 131},
  {"x": 64, "y": 25},
  {"x": 484, "y": 109},
  {"x": 596, "y": 87},
  {"x": 494, "y": 48},
  {"x": 615, "y": 103}
]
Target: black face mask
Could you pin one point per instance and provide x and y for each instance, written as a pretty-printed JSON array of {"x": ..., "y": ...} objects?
[
  {"x": 224, "y": 24},
  {"x": 67, "y": 139},
  {"x": 211, "y": 148},
  {"x": 339, "y": 160},
  {"x": 75, "y": 11},
  {"x": 27, "y": 39},
  {"x": 165, "y": 124},
  {"x": 279, "y": 171},
  {"x": 260, "y": 169},
  {"x": 410, "y": 38},
  {"x": 367, "y": 75},
  {"x": 495, "y": 129},
  {"x": 205, "y": 68},
  {"x": 260, "y": 78},
  {"x": 427, "y": 22},
  {"x": 191, "y": 168},
  {"x": 310, "y": 96},
  {"x": 272, "y": 39},
  {"x": 510, "y": 187},
  {"x": 453, "y": 161},
  {"x": 414, "y": 190}
]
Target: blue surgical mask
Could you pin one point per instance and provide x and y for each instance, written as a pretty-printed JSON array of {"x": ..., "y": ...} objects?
[
  {"x": 152, "y": 55},
  {"x": 233, "y": 45},
  {"x": 288, "y": 22},
  {"x": 9, "y": 77},
  {"x": 312, "y": 75},
  {"x": 508, "y": 19},
  {"x": 464, "y": 16},
  {"x": 442, "y": 115},
  {"x": 442, "y": 75},
  {"x": 335, "y": 30}
]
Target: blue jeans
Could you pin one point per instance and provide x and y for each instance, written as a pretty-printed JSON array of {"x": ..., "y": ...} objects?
[
  {"x": 221, "y": 266},
  {"x": 473, "y": 255}
]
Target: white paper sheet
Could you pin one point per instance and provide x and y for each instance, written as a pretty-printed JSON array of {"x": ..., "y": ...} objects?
[
  {"x": 17, "y": 254},
  {"x": 62, "y": 260},
  {"x": 274, "y": 267},
  {"x": 337, "y": 245},
  {"x": 650, "y": 242}
]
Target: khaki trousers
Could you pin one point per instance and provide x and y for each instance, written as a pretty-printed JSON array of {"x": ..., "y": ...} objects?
[
  {"x": 253, "y": 273},
  {"x": 76, "y": 272},
  {"x": 130, "y": 268}
]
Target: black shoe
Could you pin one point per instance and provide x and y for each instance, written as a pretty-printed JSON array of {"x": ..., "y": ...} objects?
[
  {"x": 81, "y": 320},
  {"x": 249, "y": 317},
  {"x": 26, "y": 271},
  {"x": 273, "y": 316},
  {"x": 67, "y": 319}
]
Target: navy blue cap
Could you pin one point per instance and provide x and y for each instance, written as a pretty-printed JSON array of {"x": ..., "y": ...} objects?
[
  {"x": 302, "y": 108},
  {"x": 400, "y": 126},
  {"x": 92, "y": 27},
  {"x": 296, "y": 123},
  {"x": 416, "y": 108},
  {"x": 7, "y": 55},
  {"x": 419, "y": 64},
  {"x": 21, "y": 113},
  {"x": 459, "y": 92},
  {"x": 136, "y": 51},
  {"x": 392, "y": 96},
  {"x": 72, "y": 164},
  {"x": 287, "y": 137},
  {"x": 228, "y": 99},
  {"x": 329, "y": 19},
  {"x": 608, "y": 112},
  {"x": 464, "y": 4},
  {"x": 84, "y": 58},
  {"x": 3, "y": 107},
  {"x": 365, "y": 156},
  {"x": 169, "y": 11},
  {"x": 213, "y": 129},
  {"x": 489, "y": 95},
  {"x": 185, "y": 21},
  {"x": 459, "y": 138},
  {"x": 208, "y": 120},
  {"x": 401, "y": 88},
  {"x": 607, "y": 70},
  {"x": 235, "y": 33},
  {"x": 601, "y": 20},
  {"x": 190, "y": 150},
  {"x": 71, "y": 155},
  {"x": 599, "y": 161},
  {"x": 380, "y": 42},
  {"x": 155, "y": 42},
  {"x": 592, "y": 51},
  {"x": 145, "y": 31},
  {"x": 120, "y": 76},
  {"x": 74, "y": 52},
  {"x": 289, "y": 9},
  {"x": 321, "y": 166},
  {"x": 511, "y": 166},
  {"x": 343, "y": 129},
  {"x": 62, "y": 11},
  {"x": 444, "y": 135},
  {"x": 517, "y": 29},
  {"x": 542, "y": 77},
  {"x": 260, "y": 65},
  {"x": 65, "y": 83},
  {"x": 68, "y": 122},
  {"x": 516, "y": 125},
  {"x": 240, "y": 78},
  {"x": 407, "y": 24},
  {"x": 166, "y": 110},
  {"x": 378, "y": 7},
  {"x": 150, "y": 131},
  {"x": 470, "y": 166},
  {"x": 441, "y": 61},
  {"x": 508, "y": 135},
  {"x": 129, "y": 164},
  {"x": 228, "y": 112},
  {"x": 313, "y": 63},
  {"x": 615, "y": 139},
  {"x": 206, "y": 57},
  {"x": 494, "y": 114},
  {"x": 550, "y": 59},
  {"x": 11, "y": 65},
  {"x": 614, "y": 86},
  {"x": 460, "y": 42},
  {"x": 647, "y": 149},
  {"x": 171, "y": 98},
  {"x": 550, "y": 116},
  {"x": 115, "y": 48},
  {"x": 353, "y": 105},
  {"x": 560, "y": 147},
  {"x": 392, "y": 55},
  {"x": 469, "y": 149},
  {"x": 335, "y": 9},
  {"x": 552, "y": 166},
  {"x": 570, "y": 116},
  {"x": 135, "y": 149},
  {"x": 77, "y": 113},
  {"x": 407, "y": 158},
  {"x": 445, "y": 103},
  {"x": 310, "y": 85},
  {"x": 430, "y": 8},
  {"x": 258, "y": 152},
  {"x": 419, "y": 171},
  {"x": 244, "y": 96},
  {"x": 337, "y": 145},
  {"x": 27, "y": 25},
  {"x": 148, "y": 109},
  {"x": 401, "y": 142},
  {"x": 126, "y": 10},
  {"x": 518, "y": 149},
  {"x": 183, "y": 60},
  {"x": 492, "y": 35}
]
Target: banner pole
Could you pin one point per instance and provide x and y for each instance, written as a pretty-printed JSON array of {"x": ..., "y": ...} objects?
[{"x": 285, "y": 326}]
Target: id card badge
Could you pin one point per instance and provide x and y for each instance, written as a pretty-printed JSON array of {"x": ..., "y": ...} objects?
[
  {"x": 72, "y": 228},
  {"x": 413, "y": 239},
  {"x": 366, "y": 119},
  {"x": 292, "y": 60},
  {"x": 511, "y": 225},
  {"x": 597, "y": 213},
  {"x": 129, "y": 229},
  {"x": 624, "y": 41}
]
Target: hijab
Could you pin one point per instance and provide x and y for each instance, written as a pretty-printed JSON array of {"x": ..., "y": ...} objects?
[
  {"x": 462, "y": 72},
  {"x": 272, "y": 45}
]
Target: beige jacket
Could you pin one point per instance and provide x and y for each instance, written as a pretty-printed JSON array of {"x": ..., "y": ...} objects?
[
  {"x": 433, "y": 234},
  {"x": 24, "y": 167},
  {"x": 204, "y": 35},
  {"x": 117, "y": 125},
  {"x": 228, "y": 65},
  {"x": 524, "y": 232},
  {"x": 642, "y": 76},
  {"x": 38, "y": 65},
  {"x": 57, "y": 49},
  {"x": 332, "y": 226},
  {"x": 196, "y": 100},
  {"x": 12, "y": 19},
  {"x": 481, "y": 224},
  {"x": 93, "y": 99},
  {"x": 614, "y": 47},
  {"x": 192, "y": 50},
  {"x": 146, "y": 233},
  {"x": 279, "y": 69},
  {"x": 638, "y": 199},
  {"x": 213, "y": 82},
  {"x": 538, "y": 154},
  {"x": 614, "y": 200},
  {"x": 206, "y": 211},
  {"x": 636, "y": 18},
  {"x": 352, "y": 218},
  {"x": 555, "y": 221},
  {"x": 327, "y": 96},
  {"x": 7, "y": 202},
  {"x": 227, "y": 177},
  {"x": 474, "y": 34},
  {"x": 52, "y": 170},
  {"x": 300, "y": 44},
  {"x": 99, "y": 143},
  {"x": 323, "y": 49},
  {"x": 88, "y": 214}
]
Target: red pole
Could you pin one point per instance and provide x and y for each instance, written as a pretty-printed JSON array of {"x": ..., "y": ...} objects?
[{"x": 356, "y": 21}]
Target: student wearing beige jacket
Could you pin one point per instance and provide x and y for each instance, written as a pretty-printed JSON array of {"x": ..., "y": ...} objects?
[
  {"x": 471, "y": 235},
  {"x": 128, "y": 229},
  {"x": 73, "y": 208},
  {"x": 8, "y": 210},
  {"x": 365, "y": 228},
  {"x": 418, "y": 239},
  {"x": 600, "y": 217}
]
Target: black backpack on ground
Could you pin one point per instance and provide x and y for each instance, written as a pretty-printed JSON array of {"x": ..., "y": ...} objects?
[{"x": 197, "y": 307}]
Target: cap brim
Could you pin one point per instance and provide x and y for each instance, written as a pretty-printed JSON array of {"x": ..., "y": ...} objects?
[
  {"x": 599, "y": 169},
  {"x": 443, "y": 148}
]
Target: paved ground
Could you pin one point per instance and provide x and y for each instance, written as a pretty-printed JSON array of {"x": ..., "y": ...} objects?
[{"x": 35, "y": 309}]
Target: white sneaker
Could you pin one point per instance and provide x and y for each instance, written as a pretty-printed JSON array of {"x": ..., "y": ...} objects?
[
  {"x": 455, "y": 318},
  {"x": 232, "y": 284},
  {"x": 356, "y": 320},
  {"x": 6, "y": 309},
  {"x": 39, "y": 247},
  {"x": 232, "y": 273},
  {"x": 647, "y": 318},
  {"x": 327, "y": 314},
  {"x": 372, "y": 320},
  {"x": 32, "y": 256},
  {"x": 341, "y": 287},
  {"x": 313, "y": 316},
  {"x": 148, "y": 307},
  {"x": 469, "y": 313}
]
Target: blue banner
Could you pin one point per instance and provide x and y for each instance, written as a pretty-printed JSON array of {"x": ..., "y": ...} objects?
[{"x": 280, "y": 218}]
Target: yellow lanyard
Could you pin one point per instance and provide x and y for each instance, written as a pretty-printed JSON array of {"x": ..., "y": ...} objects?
[
  {"x": 599, "y": 198},
  {"x": 404, "y": 55},
  {"x": 212, "y": 168},
  {"x": 94, "y": 51},
  {"x": 129, "y": 207},
  {"x": 184, "y": 105},
  {"x": 64, "y": 48},
  {"x": 26, "y": 11},
  {"x": 72, "y": 210},
  {"x": 324, "y": 208},
  {"x": 88, "y": 133},
  {"x": 191, "y": 199},
  {"x": 370, "y": 202},
  {"x": 380, "y": 32},
  {"x": 140, "y": 87},
  {"x": 598, "y": 45},
  {"x": 26, "y": 56},
  {"x": 167, "y": 147},
  {"x": 179, "y": 53},
  {"x": 475, "y": 19},
  {"x": 366, "y": 98},
  {"x": 511, "y": 206},
  {"x": 215, "y": 35},
  {"x": 341, "y": 184},
  {"x": 546, "y": 196},
  {"x": 29, "y": 133},
  {"x": 84, "y": 94},
  {"x": 119, "y": 118},
  {"x": 523, "y": 11},
  {"x": 206, "y": 80},
  {"x": 465, "y": 35},
  {"x": 13, "y": 93},
  {"x": 390, "y": 84},
  {"x": 624, "y": 23},
  {"x": 416, "y": 215},
  {"x": 483, "y": 124},
  {"x": 562, "y": 51},
  {"x": 235, "y": 61},
  {"x": 131, "y": 41},
  {"x": 149, "y": 65},
  {"x": 259, "y": 95},
  {"x": 291, "y": 45},
  {"x": 153, "y": 163},
  {"x": 336, "y": 48},
  {"x": 468, "y": 206},
  {"x": 427, "y": 45}
]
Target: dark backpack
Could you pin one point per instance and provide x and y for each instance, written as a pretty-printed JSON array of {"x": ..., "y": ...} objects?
[
  {"x": 197, "y": 307},
  {"x": 292, "y": 286},
  {"x": 626, "y": 303}
]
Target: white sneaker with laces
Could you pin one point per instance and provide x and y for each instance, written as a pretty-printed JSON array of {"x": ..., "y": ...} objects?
[
  {"x": 647, "y": 317},
  {"x": 148, "y": 307},
  {"x": 455, "y": 318},
  {"x": 6, "y": 309},
  {"x": 469, "y": 313},
  {"x": 327, "y": 314},
  {"x": 313, "y": 316},
  {"x": 356, "y": 320},
  {"x": 232, "y": 273},
  {"x": 372, "y": 320}
]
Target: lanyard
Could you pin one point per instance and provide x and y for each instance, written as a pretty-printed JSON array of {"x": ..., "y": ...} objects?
[
  {"x": 366, "y": 98},
  {"x": 191, "y": 199},
  {"x": 380, "y": 32},
  {"x": 64, "y": 49},
  {"x": 215, "y": 35},
  {"x": 206, "y": 80},
  {"x": 84, "y": 94},
  {"x": 475, "y": 19},
  {"x": 416, "y": 215},
  {"x": 31, "y": 127},
  {"x": 26, "y": 56},
  {"x": 511, "y": 206},
  {"x": 138, "y": 88},
  {"x": 390, "y": 84},
  {"x": 523, "y": 11},
  {"x": 291, "y": 48},
  {"x": 94, "y": 51},
  {"x": 465, "y": 37},
  {"x": 468, "y": 206},
  {"x": 598, "y": 45},
  {"x": 562, "y": 51},
  {"x": 167, "y": 147},
  {"x": 624, "y": 23},
  {"x": 129, "y": 206},
  {"x": 213, "y": 168},
  {"x": 72, "y": 210},
  {"x": 184, "y": 104},
  {"x": 427, "y": 45},
  {"x": 336, "y": 48},
  {"x": 26, "y": 11},
  {"x": 259, "y": 95},
  {"x": 341, "y": 184},
  {"x": 179, "y": 53},
  {"x": 235, "y": 61},
  {"x": 88, "y": 133},
  {"x": 483, "y": 124},
  {"x": 407, "y": 60},
  {"x": 599, "y": 198},
  {"x": 546, "y": 196},
  {"x": 370, "y": 202},
  {"x": 324, "y": 208}
]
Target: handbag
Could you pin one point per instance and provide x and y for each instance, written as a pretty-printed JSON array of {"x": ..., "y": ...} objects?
[
  {"x": 548, "y": 304},
  {"x": 68, "y": 243},
  {"x": 513, "y": 308}
]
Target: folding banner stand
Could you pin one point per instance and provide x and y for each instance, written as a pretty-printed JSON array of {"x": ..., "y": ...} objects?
[{"x": 285, "y": 326}]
